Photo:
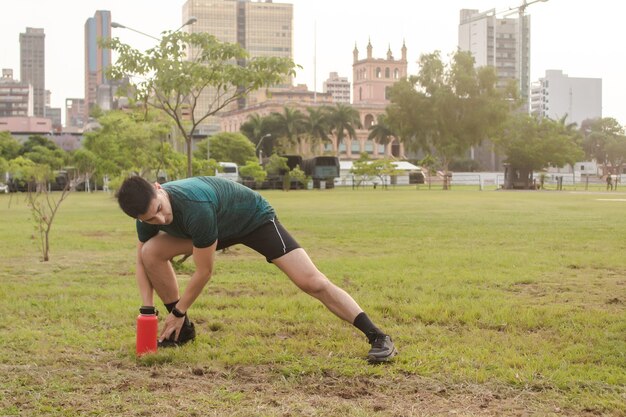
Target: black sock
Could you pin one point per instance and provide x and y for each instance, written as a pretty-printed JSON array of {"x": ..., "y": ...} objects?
[
  {"x": 171, "y": 306},
  {"x": 364, "y": 324}
]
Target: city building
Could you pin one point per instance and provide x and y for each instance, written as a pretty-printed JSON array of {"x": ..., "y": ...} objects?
[
  {"x": 557, "y": 95},
  {"x": 16, "y": 98},
  {"x": 33, "y": 66},
  {"x": 23, "y": 126},
  {"x": 75, "y": 113},
  {"x": 503, "y": 43},
  {"x": 264, "y": 29},
  {"x": 97, "y": 60},
  {"x": 500, "y": 43},
  {"x": 338, "y": 87}
]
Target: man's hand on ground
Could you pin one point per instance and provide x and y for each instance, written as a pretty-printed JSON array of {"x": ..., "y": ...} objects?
[{"x": 172, "y": 325}]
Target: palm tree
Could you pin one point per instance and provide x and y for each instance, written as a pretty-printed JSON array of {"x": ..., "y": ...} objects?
[
  {"x": 381, "y": 132},
  {"x": 290, "y": 124},
  {"x": 344, "y": 119},
  {"x": 254, "y": 128},
  {"x": 317, "y": 124}
]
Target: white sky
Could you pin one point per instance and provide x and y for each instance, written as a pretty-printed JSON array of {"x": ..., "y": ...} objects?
[{"x": 582, "y": 38}]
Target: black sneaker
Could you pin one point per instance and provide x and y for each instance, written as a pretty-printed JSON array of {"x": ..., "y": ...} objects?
[
  {"x": 187, "y": 334},
  {"x": 382, "y": 349}
]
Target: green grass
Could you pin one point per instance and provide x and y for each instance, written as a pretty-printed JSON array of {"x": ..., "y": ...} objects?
[{"x": 501, "y": 303}]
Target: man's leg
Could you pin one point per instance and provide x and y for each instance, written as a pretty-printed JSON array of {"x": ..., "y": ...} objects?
[{"x": 301, "y": 270}]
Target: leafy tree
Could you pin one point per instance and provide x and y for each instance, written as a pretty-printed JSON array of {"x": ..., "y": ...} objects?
[
  {"x": 254, "y": 170},
  {"x": 604, "y": 141},
  {"x": 85, "y": 163},
  {"x": 450, "y": 107},
  {"x": 23, "y": 171},
  {"x": 183, "y": 67},
  {"x": 37, "y": 141},
  {"x": 533, "y": 144},
  {"x": 366, "y": 169},
  {"x": 4, "y": 168},
  {"x": 54, "y": 158},
  {"x": 297, "y": 174},
  {"x": 382, "y": 132},
  {"x": 127, "y": 142},
  {"x": 291, "y": 125},
  {"x": 9, "y": 146},
  {"x": 317, "y": 124},
  {"x": 226, "y": 147},
  {"x": 344, "y": 120}
]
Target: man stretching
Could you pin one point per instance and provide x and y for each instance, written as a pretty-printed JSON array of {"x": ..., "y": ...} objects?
[{"x": 197, "y": 216}]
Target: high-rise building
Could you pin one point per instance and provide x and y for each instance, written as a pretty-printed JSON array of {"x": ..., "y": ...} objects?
[
  {"x": 33, "y": 66},
  {"x": 97, "y": 60},
  {"x": 556, "y": 96},
  {"x": 496, "y": 41},
  {"x": 264, "y": 29},
  {"x": 338, "y": 87},
  {"x": 16, "y": 98}
]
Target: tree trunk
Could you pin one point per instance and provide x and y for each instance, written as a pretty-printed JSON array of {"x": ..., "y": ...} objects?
[{"x": 189, "y": 167}]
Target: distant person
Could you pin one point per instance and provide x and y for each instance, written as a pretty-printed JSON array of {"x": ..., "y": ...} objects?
[
  {"x": 197, "y": 216},
  {"x": 609, "y": 182}
]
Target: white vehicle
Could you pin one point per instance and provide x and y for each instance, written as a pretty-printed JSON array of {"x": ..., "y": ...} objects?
[
  {"x": 4, "y": 188},
  {"x": 230, "y": 171}
]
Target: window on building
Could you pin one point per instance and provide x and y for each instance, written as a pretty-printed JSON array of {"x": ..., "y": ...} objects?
[
  {"x": 387, "y": 73},
  {"x": 396, "y": 73},
  {"x": 378, "y": 72}
]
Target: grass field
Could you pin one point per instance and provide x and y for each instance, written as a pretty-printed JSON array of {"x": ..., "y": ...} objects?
[{"x": 501, "y": 304}]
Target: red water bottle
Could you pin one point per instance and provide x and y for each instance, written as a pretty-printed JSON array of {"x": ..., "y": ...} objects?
[{"x": 147, "y": 330}]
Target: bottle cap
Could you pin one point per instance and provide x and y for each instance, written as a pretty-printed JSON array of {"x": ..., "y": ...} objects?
[{"x": 148, "y": 310}]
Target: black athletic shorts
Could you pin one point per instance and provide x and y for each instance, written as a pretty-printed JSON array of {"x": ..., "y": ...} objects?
[{"x": 271, "y": 240}]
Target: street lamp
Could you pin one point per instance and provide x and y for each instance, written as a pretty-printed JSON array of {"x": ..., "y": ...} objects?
[
  {"x": 258, "y": 147},
  {"x": 121, "y": 26},
  {"x": 189, "y": 21}
]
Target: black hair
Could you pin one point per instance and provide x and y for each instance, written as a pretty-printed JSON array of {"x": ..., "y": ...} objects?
[{"x": 135, "y": 195}]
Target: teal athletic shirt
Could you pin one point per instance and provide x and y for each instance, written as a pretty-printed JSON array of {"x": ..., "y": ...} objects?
[{"x": 206, "y": 209}]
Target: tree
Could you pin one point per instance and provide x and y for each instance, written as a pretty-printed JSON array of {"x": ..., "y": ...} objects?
[
  {"x": 382, "y": 132},
  {"x": 183, "y": 67},
  {"x": 605, "y": 142},
  {"x": 85, "y": 163},
  {"x": 9, "y": 146},
  {"x": 226, "y": 147},
  {"x": 127, "y": 142},
  {"x": 317, "y": 124},
  {"x": 533, "y": 144},
  {"x": 344, "y": 120},
  {"x": 44, "y": 207},
  {"x": 290, "y": 124},
  {"x": 365, "y": 169},
  {"x": 37, "y": 141},
  {"x": 254, "y": 170},
  {"x": 446, "y": 109},
  {"x": 41, "y": 155}
]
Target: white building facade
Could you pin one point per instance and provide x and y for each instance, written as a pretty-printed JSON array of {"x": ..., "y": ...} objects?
[
  {"x": 557, "y": 95},
  {"x": 338, "y": 87}
]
